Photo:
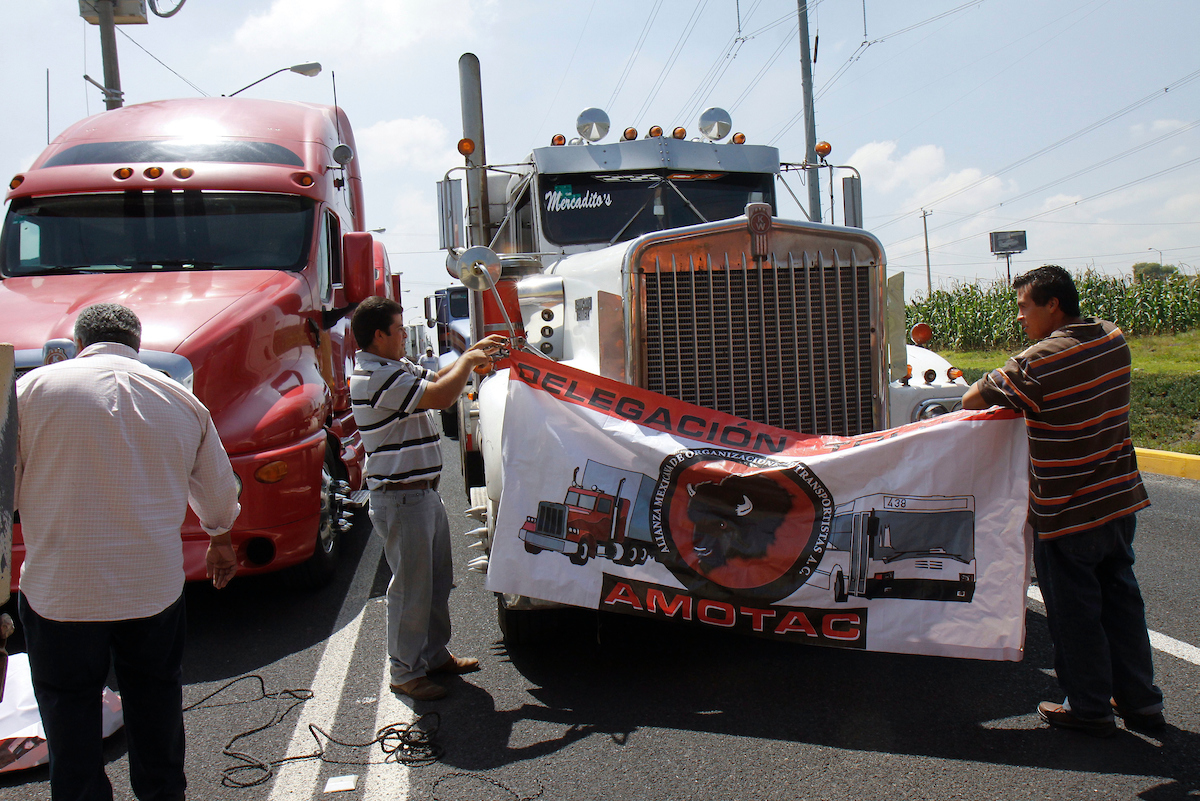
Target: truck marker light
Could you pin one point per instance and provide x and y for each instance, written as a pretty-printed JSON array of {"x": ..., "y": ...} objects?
[
  {"x": 904, "y": 379},
  {"x": 679, "y": 133},
  {"x": 123, "y": 173},
  {"x": 739, "y": 138},
  {"x": 630, "y": 134},
  {"x": 153, "y": 172},
  {"x": 823, "y": 149},
  {"x": 184, "y": 172},
  {"x": 547, "y": 314},
  {"x": 303, "y": 178},
  {"x": 655, "y": 130},
  {"x": 930, "y": 375},
  {"x": 16, "y": 181},
  {"x": 465, "y": 147},
  {"x": 271, "y": 472},
  {"x": 546, "y": 347},
  {"x": 954, "y": 373},
  {"x": 547, "y": 331},
  {"x": 558, "y": 140},
  {"x": 921, "y": 334}
]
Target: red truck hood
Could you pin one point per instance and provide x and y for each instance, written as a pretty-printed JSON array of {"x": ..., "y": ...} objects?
[{"x": 171, "y": 305}]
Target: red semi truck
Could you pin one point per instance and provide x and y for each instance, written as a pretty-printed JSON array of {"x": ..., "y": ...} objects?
[{"x": 234, "y": 229}]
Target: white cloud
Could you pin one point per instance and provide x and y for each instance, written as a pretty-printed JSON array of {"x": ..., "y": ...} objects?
[
  {"x": 421, "y": 144},
  {"x": 363, "y": 27},
  {"x": 877, "y": 162}
]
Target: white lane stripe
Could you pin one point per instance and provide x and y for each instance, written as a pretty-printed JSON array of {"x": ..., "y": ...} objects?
[
  {"x": 388, "y": 780},
  {"x": 1169, "y": 645},
  {"x": 298, "y": 780}
]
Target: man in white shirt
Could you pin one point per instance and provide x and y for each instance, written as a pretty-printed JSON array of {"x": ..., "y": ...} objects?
[
  {"x": 111, "y": 454},
  {"x": 429, "y": 361}
]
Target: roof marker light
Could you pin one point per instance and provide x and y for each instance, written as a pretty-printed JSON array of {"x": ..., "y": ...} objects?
[
  {"x": 153, "y": 172},
  {"x": 679, "y": 133},
  {"x": 558, "y": 140},
  {"x": 16, "y": 181},
  {"x": 303, "y": 178},
  {"x": 184, "y": 172},
  {"x": 466, "y": 147},
  {"x": 123, "y": 173},
  {"x": 739, "y": 138},
  {"x": 630, "y": 134},
  {"x": 823, "y": 149},
  {"x": 655, "y": 130}
]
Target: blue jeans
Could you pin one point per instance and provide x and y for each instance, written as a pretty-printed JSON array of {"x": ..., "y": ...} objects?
[
  {"x": 1097, "y": 620},
  {"x": 416, "y": 542},
  {"x": 69, "y": 663}
]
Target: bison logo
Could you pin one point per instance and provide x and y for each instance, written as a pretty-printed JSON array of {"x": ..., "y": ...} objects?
[
  {"x": 737, "y": 525},
  {"x": 736, "y": 518}
]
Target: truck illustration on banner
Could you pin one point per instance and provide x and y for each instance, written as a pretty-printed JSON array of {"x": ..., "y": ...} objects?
[
  {"x": 593, "y": 519},
  {"x": 901, "y": 546}
]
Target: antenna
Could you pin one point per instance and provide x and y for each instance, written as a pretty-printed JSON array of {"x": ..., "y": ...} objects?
[{"x": 337, "y": 125}]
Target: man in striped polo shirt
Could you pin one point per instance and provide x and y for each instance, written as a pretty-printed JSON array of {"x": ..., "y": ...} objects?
[
  {"x": 390, "y": 396},
  {"x": 1072, "y": 385}
]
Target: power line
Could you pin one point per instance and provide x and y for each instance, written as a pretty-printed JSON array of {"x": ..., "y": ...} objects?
[
  {"x": 637, "y": 49},
  {"x": 160, "y": 61},
  {"x": 688, "y": 27}
]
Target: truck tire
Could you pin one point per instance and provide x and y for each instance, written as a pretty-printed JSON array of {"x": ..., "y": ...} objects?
[
  {"x": 473, "y": 471},
  {"x": 587, "y": 549},
  {"x": 839, "y": 588},
  {"x": 531, "y": 548},
  {"x": 526, "y": 626},
  {"x": 450, "y": 422},
  {"x": 318, "y": 569}
]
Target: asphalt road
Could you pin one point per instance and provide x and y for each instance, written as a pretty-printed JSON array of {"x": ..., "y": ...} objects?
[{"x": 626, "y": 708}]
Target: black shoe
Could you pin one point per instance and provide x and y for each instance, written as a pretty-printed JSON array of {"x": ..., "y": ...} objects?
[
  {"x": 1137, "y": 721},
  {"x": 1055, "y": 715}
]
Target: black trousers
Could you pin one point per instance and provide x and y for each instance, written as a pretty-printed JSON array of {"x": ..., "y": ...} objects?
[{"x": 69, "y": 663}]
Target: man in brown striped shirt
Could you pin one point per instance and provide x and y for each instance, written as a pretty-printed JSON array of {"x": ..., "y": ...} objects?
[{"x": 1072, "y": 385}]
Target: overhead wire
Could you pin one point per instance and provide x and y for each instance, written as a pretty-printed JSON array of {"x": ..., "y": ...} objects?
[
  {"x": 1155, "y": 95},
  {"x": 716, "y": 72},
  {"x": 163, "y": 63},
  {"x": 688, "y": 27},
  {"x": 637, "y": 49},
  {"x": 567, "y": 71}
]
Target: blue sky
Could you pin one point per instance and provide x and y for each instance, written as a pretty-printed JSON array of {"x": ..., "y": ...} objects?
[{"x": 1071, "y": 120}]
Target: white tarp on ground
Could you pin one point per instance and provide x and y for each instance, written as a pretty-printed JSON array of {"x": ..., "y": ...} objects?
[
  {"x": 22, "y": 738},
  {"x": 910, "y": 540}
]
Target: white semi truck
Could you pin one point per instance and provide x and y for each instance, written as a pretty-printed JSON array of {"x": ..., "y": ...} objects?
[{"x": 659, "y": 261}]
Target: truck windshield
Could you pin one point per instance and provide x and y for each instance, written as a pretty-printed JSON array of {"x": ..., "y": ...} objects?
[
  {"x": 615, "y": 207},
  {"x": 460, "y": 304},
  {"x": 143, "y": 231}
]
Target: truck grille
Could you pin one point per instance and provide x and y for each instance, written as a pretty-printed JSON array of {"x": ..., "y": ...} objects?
[
  {"x": 785, "y": 341},
  {"x": 550, "y": 518}
]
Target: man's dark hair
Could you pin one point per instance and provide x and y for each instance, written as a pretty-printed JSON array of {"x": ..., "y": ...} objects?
[
  {"x": 373, "y": 314},
  {"x": 1051, "y": 281},
  {"x": 108, "y": 322}
]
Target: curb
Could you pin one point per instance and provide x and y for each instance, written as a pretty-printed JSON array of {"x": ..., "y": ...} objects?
[{"x": 1168, "y": 463}]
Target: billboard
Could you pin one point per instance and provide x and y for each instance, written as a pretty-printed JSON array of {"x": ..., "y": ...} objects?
[{"x": 1008, "y": 241}]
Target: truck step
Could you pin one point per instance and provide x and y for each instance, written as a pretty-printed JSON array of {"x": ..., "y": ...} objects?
[{"x": 358, "y": 500}]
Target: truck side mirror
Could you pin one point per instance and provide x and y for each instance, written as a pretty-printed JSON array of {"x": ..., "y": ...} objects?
[{"x": 358, "y": 266}]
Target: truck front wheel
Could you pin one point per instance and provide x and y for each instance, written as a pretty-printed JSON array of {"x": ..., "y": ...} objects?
[{"x": 318, "y": 570}]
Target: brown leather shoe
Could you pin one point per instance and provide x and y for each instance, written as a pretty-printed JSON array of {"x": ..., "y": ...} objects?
[
  {"x": 1138, "y": 721},
  {"x": 457, "y": 665},
  {"x": 420, "y": 689},
  {"x": 1055, "y": 715}
]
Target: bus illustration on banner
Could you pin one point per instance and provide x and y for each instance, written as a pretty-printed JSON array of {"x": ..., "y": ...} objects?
[{"x": 901, "y": 546}]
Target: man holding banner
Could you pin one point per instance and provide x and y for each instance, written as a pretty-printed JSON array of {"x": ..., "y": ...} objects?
[
  {"x": 404, "y": 462},
  {"x": 1072, "y": 385}
]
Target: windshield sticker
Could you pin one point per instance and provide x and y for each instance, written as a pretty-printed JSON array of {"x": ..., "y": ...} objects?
[{"x": 561, "y": 198}]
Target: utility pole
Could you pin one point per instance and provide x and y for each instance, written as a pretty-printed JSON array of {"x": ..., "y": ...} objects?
[
  {"x": 928, "y": 272},
  {"x": 108, "y": 51},
  {"x": 810, "y": 122}
]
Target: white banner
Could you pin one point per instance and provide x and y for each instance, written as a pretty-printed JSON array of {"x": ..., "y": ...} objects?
[{"x": 910, "y": 540}]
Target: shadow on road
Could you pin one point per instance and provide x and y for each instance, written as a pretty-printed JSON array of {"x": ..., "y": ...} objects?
[{"x": 615, "y": 675}]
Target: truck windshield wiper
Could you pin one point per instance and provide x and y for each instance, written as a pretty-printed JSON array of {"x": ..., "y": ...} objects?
[
  {"x": 77, "y": 268},
  {"x": 185, "y": 264}
]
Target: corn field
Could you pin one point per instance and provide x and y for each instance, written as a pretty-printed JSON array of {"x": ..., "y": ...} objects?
[{"x": 977, "y": 317}]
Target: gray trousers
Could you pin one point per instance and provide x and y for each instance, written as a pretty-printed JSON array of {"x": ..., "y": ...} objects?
[{"x": 416, "y": 542}]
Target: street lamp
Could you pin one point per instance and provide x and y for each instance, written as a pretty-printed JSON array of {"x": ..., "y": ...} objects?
[
  {"x": 1159, "y": 252},
  {"x": 309, "y": 70}
]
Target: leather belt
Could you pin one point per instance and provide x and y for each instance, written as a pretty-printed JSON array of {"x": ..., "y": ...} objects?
[{"x": 400, "y": 486}]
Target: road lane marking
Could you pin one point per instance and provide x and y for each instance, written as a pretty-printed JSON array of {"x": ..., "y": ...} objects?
[
  {"x": 295, "y": 780},
  {"x": 388, "y": 780},
  {"x": 1177, "y": 648}
]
